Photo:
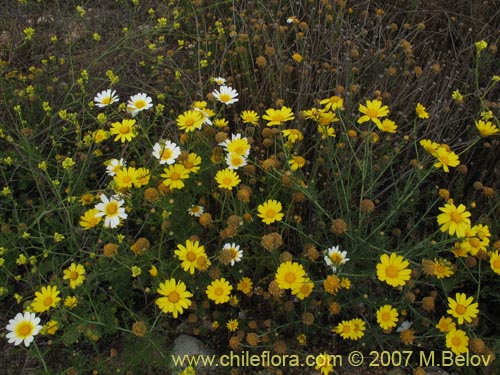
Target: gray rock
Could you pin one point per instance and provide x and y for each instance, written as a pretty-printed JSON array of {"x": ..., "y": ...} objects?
[{"x": 185, "y": 346}]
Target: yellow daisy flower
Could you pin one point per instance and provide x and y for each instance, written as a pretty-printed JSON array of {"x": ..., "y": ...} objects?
[
  {"x": 46, "y": 298},
  {"x": 358, "y": 328},
  {"x": 326, "y": 131},
  {"x": 454, "y": 219},
  {"x": 70, "y": 302},
  {"x": 189, "y": 255},
  {"x": 373, "y": 111},
  {"x": 245, "y": 285},
  {"x": 393, "y": 270},
  {"x": 495, "y": 262},
  {"x": 174, "y": 175},
  {"x": 486, "y": 128},
  {"x": 175, "y": 297},
  {"x": 75, "y": 273},
  {"x": 462, "y": 308},
  {"x": 304, "y": 289},
  {"x": 387, "y": 317},
  {"x": 429, "y": 146},
  {"x": 296, "y": 162},
  {"x": 250, "y": 117},
  {"x": 219, "y": 290},
  {"x": 124, "y": 131},
  {"x": 445, "y": 159},
  {"x": 88, "y": 220},
  {"x": 293, "y": 135},
  {"x": 445, "y": 324},
  {"x": 420, "y": 111},
  {"x": 323, "y": 363},
  {"x": 270, "y": 211},
  {"x": 333, "y": 103},
  {"x": 278, "y": 116},
  {"x": 388, "y": 126},
  {"x": 289, "y": 275},
  {"x": 227, "y": 179},
  {"x": 232, "y": 325},
  {"x": 192, "y": 162},
  {"x": 190, "y": 120},
  {"x": 125, "y": 177},
  {"x": 458, "y": 341},
  {"x": 442, "y": 268}
]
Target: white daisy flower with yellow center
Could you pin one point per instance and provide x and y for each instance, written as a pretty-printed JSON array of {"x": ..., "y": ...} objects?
[
  {"x": 196, "y": 210},
  {"x": 226, "y": 95},
  {"x": 235, "y": 161},
  {"x": 166, "y": 151},
  {"x": 23, "y": 328},
  {"x": 234, "y": 251},
  {"x": 220, "y": 81},
  {"x": 112, "y": 210},
  {"x": 139, "y": 102},
  {"x": 334, "y": 257},
  {"x": 237, "y": 144},
  {"x": 114, "y": 165},
  {"x": 105, "y": 98}
]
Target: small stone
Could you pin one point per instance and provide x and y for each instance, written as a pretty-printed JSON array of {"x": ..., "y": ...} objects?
[{"x": 185, "y": 345}]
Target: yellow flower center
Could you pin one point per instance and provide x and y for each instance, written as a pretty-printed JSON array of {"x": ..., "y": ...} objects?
[
  {"x": 236, "y": 160},
  {"x": 385, "y": 317},
  {"x": 166, "y": 154},
  {"x": 189, "y": 121},
  {"x": 191, "y": 256},
  {"x": 278, "y": 117},
  {"x": 304, "y": 288},
  {"x": 188, "y": 165},
  {"x": 125, "y": 129},
  {"x": 219, "y": 291},
  {"x": 111, "y": 208},
  {"x": 456, "y": 341},
  {"x": 456, "y": 217},
  {"x": 240, "y": 150},
  {"x": 474, "y": 242},
  {"x": 24, "y": 329},
  {"x": 460, "y": 309},
  {"x": 227, "y": 181},
  {"x": 270, "y": 214},
  {"x": 175, "y": 176},
  {"x": 444, "y": 159},
  {"x": 126, "y": 179},
  {"x": 439, "y": 269},
  {"x": 496, "y": 263},
  {"x": 391, "y": 271},
  {"x": 201, "y": 262},
  {"x": 106, "y": 100},
  {"x": 372, "y": 112},
  {"x": 336, "y": 258},
  {"x": 346, "y": 329},
  {"x": 73, "y": 275},
  {"x": 174, "y": 297},
  {"x": 233, "y": 253},
  {"x": 290, "y": 277},
  {"x": 224, "y": 98},
  {"x": 139, "y": 104},
  {"x": 48, "y": 301}
]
